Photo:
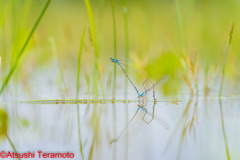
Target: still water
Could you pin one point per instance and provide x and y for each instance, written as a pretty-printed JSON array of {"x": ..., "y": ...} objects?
[{"x": 195, "y": 127}]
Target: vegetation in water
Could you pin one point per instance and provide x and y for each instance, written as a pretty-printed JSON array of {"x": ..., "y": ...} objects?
[{"x": 65, "y": 46}]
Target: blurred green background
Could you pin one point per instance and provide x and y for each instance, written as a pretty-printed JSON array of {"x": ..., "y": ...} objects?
[{"x": 154, "y": 41}]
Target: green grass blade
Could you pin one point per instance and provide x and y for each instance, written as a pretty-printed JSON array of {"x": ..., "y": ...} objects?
[
  {"x": 61, "y": 73},
  {"x": 127, "y": 57},
  {"x": 5, "y": 12},
  {"x": 79, "y": 61},
  {"x": 114, "y": 76},
  {"x": 126, "y": 39},
  {"x": 225, "y": 58},
  {"x": 179, "y": 19},
  {"x": 23, "y": 48},
  {"x": 92, "y": 26},
  {"x": 115, "y": 48},
  {"x": 95, "y": 40}
]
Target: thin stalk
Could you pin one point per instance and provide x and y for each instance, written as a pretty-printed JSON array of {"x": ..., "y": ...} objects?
[
  {"x": 78, "y": 77},
  {"x": 225, "y": 59},
  {"x": 114, "y": 78},
  {"x": 23, "y": 48},
  {"x": 95, "y": 40},
  {"x": 5, "y": 9},
  {"x": 115, "y": 48},
  {"x": 94, "y": 73},
  {"x": 79, "y": 61},
  {"x": 92, "y": 26},
  {"x": 126, "y": 39},
  {"x": 127, "y": 57},
  {"x": 100, "y": 79},
  {"x": 100, "y": 15},
  {"x": 188, "y": 83},
  {"x": 180, "y": 34},
  {"x": 12, "y": 145},
  {"x": 108, "y": 86},
  {"x": 62, "y": 79},
  {"x": 179, "y": 19},
  {"x": 61, "y": 74}
]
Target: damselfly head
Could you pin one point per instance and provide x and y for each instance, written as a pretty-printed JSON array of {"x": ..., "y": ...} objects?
[{"x": 113, "y": 60}]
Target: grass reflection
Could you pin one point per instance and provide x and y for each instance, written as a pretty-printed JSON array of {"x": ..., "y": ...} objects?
[
  {"x": 187, "y": 123},
  {"x": 223, "y": 130}
]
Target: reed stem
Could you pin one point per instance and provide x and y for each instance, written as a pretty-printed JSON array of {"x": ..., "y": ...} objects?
[
  {"x": 115, "y": 47},
  {"x": 126, "y": 69},
  {"x": 225, "y": 58},
  {"x": 95, "y": 42},
  {"x": 179, "y": 20},
  {"x": 114, "y": 77}
]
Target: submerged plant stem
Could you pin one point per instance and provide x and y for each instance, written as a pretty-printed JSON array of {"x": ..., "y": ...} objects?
[
  {"x": 23, "y": 48},
  {"x": 223, "y": 129}
]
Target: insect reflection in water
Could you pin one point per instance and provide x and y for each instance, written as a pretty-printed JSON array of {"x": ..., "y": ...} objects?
[{"x": 135, "y": 129}]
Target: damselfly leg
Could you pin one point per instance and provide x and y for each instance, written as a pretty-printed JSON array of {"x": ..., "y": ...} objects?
[
  {"x": 159, "y": 83},
  {"x": 152, "y": 87}
]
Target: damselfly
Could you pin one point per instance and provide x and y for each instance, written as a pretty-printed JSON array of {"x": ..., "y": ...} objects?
[{"x": 159, "y": 83}]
